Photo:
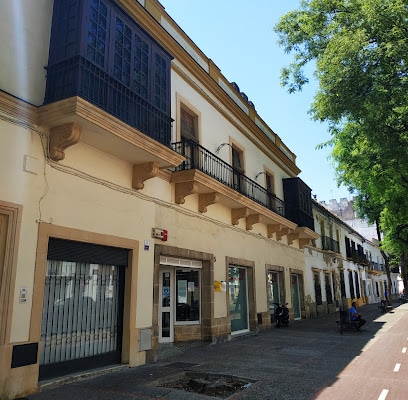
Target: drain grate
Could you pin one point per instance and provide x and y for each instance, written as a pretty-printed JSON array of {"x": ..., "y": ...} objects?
[
  {"x": 221, "y": 386},
  {"x": 181, "y": 365}
]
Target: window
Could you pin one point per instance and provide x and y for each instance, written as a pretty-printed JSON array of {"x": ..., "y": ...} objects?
[
  {"x": 329, "y": 295},
  {"x": 115, "y": 46},
  {"x": 270, "y": 182},
  {"x": 357, "y": 285},
  {"x": 318, "y": 289},
  {"x": 238, "y": 168},
  {"x": 273, "y": 290},
  {"x": 188, "y": 296},
  {"x": 188, "y": 125},
  {"x": 322, "y": 229},
  {"x": 97, "y": 32},
  {"x": 351, "y": 283},
  {"x": 270, "y": 187}
]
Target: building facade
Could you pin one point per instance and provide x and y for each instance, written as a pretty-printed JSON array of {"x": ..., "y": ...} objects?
[
  {"x": 143, "y": 199},
  {"x": 343, "y": 266}
]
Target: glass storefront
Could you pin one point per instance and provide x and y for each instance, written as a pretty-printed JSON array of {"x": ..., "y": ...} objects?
[
  {"x": 188, "y": 296},
  {"x": 296, "y": 297},
  {"x": 238, "y": 299},
  {"x": 273, "y": 291}
]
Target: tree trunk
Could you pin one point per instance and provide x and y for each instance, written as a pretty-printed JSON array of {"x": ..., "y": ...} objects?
[
  {"x": 404, "y": 274},
  {"x": 386, "y": 264}
]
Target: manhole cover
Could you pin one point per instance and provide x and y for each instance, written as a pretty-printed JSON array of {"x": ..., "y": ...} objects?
[{"x": 221, "y": 386}]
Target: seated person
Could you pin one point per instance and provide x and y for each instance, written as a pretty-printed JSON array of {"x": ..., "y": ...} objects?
[{"x": 355, "y": 316}]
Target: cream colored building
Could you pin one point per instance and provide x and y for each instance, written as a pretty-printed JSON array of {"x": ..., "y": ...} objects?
[
  {"x": 143, "y": 200},
  {"x": 342, "y": 266}
]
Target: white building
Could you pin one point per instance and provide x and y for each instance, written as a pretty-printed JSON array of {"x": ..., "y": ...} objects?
[{"x": 342, "y": 266}]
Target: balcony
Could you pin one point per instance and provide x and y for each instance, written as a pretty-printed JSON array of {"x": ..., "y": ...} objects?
[
  {"x": 358, "y": 258},
  {"x": 105, "y": 114},
  {"x": 330, "y": 244},
  {"x": 214, "y": 180},
  {"x": 79, "y": 77},
  {"x": 197, "y": 157}
]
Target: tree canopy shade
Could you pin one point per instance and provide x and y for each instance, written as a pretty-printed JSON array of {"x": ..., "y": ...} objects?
[{"x": 360, "y": 51}]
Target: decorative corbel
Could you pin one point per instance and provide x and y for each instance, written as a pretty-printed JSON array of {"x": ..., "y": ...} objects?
[
  {"x": 303, "y": 243},
  {"x": 292, "y": 236},
  {"x": 252, "y": 220},
  {"x": 61, "y": 137},
  {"x": 206, "y": 199},
  {"x": 184, "y": 189},
  {"x": 237, "y": 214},
  {"x": 273, "y": 228},
  {"x": 143, "y": 172},
  {"x": 282, "y": 232}
]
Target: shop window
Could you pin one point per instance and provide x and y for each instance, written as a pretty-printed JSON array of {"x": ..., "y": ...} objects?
[
  {"x": 273, "y": 290},
  {"x": 188, "y": 296}
]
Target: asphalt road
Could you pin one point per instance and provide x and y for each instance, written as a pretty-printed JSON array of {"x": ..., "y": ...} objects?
[{"x": 310, "y": 359}]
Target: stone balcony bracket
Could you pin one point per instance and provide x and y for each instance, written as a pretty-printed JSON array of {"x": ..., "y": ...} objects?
[
  {"x": 143, "y": 172},
  {"x": 238, "y": 213},
  {"x": 303, "y": 243},
  {"x": 282, "y": 232},
  {"x": 253, "y": 219},
  {"x": 184, "y": 189},
  {"x": 273, "y": 228},
  {"x": 61, "y": 137},
  {"x": 206, "y": 199},
  {"x": 292, "y": 237}
]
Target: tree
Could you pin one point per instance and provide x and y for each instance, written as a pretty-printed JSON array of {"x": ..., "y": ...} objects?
[{"x": 360, "y": 51}]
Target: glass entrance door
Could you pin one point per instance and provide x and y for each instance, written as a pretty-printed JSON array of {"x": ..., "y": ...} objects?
[
  {"x": 296, "y": 297},
  {"x": 238, "y": 299},
  {"x": 166, "y": 300},
  {"x": 273, "y": 292}
]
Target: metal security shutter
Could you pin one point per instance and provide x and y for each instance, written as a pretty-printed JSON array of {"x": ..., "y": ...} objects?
[{"x": 69, "y": 250}]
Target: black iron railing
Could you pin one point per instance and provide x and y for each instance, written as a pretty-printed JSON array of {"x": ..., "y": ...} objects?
[
  {"x": 377, "y": 266},
  {"x": 79, "y": 77},
  {"x": 197, "y": 157},
  {"x": 330, "y": 244}
]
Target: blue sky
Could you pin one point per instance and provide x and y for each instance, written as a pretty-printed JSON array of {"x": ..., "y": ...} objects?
[{"x": 238, "y": 36}]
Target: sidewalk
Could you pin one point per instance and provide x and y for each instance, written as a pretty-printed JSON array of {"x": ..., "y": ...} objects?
[{"x": 287, "y": 363}]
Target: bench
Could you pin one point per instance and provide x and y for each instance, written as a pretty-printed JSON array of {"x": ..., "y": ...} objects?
[
  {"x": 384, "y": 307},
  {"x": 345, "y": 323}
]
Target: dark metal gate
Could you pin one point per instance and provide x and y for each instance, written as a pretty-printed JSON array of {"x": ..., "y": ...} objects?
[{"x": 82, "y": 317}]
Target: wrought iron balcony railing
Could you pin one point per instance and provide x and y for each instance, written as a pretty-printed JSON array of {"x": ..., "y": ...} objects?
[
  {"x": 197, "y": 157},
  {"x": 330, "y": 244}
]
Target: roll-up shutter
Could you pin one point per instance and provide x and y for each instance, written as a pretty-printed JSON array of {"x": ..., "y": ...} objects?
[{"x": 69, "y": 250}]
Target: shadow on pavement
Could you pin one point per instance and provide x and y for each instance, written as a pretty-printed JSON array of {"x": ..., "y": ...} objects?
[{"x": 294, "y": 362}]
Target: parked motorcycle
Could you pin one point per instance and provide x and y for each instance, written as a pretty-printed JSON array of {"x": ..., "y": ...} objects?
[{"x": 281, "y": 315}]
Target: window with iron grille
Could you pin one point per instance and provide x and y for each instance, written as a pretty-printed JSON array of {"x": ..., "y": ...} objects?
[
  {"x": 342, "y": 284},
  {"x": 329, "y": 294},
  {"x": 351, "y": 284},
  {"x": 100, "y": 53},
  {"x": 357, "y": 285},
  {"x": 318, "y": 288}
]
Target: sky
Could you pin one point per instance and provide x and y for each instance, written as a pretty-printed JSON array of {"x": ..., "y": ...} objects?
[{"x": 238, "y": 36}]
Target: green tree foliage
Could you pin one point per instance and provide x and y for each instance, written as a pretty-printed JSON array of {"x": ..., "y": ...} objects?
[{"x": 360, "y": 51}]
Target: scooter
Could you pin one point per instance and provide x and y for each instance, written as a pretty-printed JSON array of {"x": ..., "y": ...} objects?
[{"x": 281, "y": 315}]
